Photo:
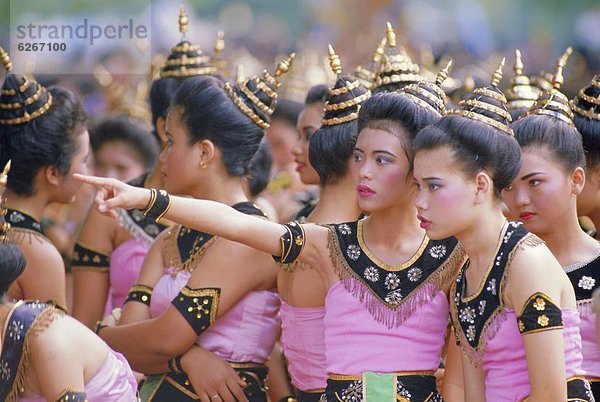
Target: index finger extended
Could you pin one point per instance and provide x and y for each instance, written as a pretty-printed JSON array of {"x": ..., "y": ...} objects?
[{"x": 93, "y": 180}]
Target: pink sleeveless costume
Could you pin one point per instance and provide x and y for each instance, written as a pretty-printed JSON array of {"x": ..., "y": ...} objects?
[
  {"x": 113, "y": 382},
  {"x": 490, "y": 334},
  {"x": 585, "y": 278},
  {"x": 385, "y": 325},
  {"x": 302, "y": 337}
]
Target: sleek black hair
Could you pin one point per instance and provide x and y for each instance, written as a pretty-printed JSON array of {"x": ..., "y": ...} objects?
[
  {"x": 48, "y": 140},
  {"x": 588, "y": 127},
  {"x": 317, "y": 94},
  {"x": 162, "y": 91},
  {"x": 392, "y": 110},
  {"x": 121, "y": 129},
  {"x": 477, "y": 146},
  {"x": 12, "y": 264},
  {"x": 561, "y": 139},
  {"x": 287, "y": 110},
  {"x": 260, "y": 169},
  {"x": 208, "y": 112}
]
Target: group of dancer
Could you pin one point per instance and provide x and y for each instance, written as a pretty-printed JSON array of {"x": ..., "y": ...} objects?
[{"x": 444, "y": 259}]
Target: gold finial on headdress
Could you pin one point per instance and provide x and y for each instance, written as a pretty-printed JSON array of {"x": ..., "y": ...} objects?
[
  {"x": 557, "y": 79},
  {"x": 220, "y": 43},
  {"x": 239, "y": 73},
  {"x": 518, "y": 67},
  {"x": 390, "y": 35},
  {"x": 5, "y": 59},
  {"x": 587, "y": 101},
  {"x": 284, "y": 65},
  {"x": 443, "y": 74},
  {"x": 334, "y": 61},
  {"x": 497, "y": 75},
  {"x": 380, "y": 51},
  {"x": 183, "y": 20}
]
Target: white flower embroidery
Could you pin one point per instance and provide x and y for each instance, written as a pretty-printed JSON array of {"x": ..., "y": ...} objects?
[
  {"x": 492, "y": 286},
  {"x": 354, "y": 392},
  {"x": 587, "y": 283},
  {"x": 414, "y": 274},
  {"x": 471, "y": 333},
  {"x": 437, "y": 251},
  {"x": 402, "y": 391},
  {"x": 507, "y": 236},
  {"x": 394, "y": 298},
  {"x": 4, "y": 370},
  {"x": 482, "y": 307},
  {"x": 467, "y": 314},
  {"x": 371, "y": 274},
  {"x": 15, "y": 330},
  {"x": 353, "y": 252},
  {"x": 152, "y": 230},
  {"x": 16, "y": 217},
  {"x": 392, "y": 281},
  {"x": 345, "y": 229}
]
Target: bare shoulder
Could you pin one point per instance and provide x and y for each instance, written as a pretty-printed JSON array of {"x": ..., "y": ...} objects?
[{"x": 43, "y": 257}]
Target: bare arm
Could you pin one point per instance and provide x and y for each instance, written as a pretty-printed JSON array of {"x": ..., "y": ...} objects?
[
  {"x": 211, "y": 217},
  {"x": 474, "y": 387},
  {"x": 536, "y": 270},
  {"x": 453, "y": 389},
  {"x": 91, "y": 287}
]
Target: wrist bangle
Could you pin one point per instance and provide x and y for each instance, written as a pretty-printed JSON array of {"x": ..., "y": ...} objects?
[
  {"x": 159, "y": 204},
  {"x": 99, "y": 327},
  {"x": 175, "y": 365},
  {"x": 151, "y": 200}
]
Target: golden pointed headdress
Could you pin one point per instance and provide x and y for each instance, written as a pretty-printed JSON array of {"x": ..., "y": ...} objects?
[
  {"x": 218, "y": 61},
  {"x": 428, "y": 94},
  {"x": 367, "y": 75},
  {"x": 397, "y": 68},
  {"x": 4, "y": 226},
  {"x": 587, "y": 102},
  {"x": 521, "y": 95},
  {"x": 346, "y": 96},
  {"x": 260, "y": 92},
  {"x": 186, "y": 59},
  {"x": 22, "y": 98},
  {"x": 553, "y": 102},
  {"x": 477, "y": 107}
]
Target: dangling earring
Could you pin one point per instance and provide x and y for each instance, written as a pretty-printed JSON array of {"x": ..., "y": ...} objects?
[{"x": 203, "y": 165}]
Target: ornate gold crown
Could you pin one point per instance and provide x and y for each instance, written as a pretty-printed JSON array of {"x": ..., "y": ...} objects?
[
  {"x": 346, "y": 96},
  {"x": 553, "y": 102},
  {"x": 4, "y": 226},
  {"x": 367, "y": 75},
  {"x": 396, "y": 67},
  {"x": 22, "y": 98},
  {"x": 186, "y": 59},
  {"x": 520, "y": 93},
  {"x": 428, "y": 94},
  {"x": 500, "y": 117},
  {"x": 260, "y": 92},
  {"x": 217, "y": 60},
  {"x": 585, "y": 104}
]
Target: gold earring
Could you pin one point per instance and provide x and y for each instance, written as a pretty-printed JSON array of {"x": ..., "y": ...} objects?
[{"x": 203, "y": 165}]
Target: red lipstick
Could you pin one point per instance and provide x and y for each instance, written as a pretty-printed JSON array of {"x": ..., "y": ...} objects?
[
  {"x": 525, "y": 216},
  {"x": 424, "y": 222},
  {"x": 365, "y": 191}
]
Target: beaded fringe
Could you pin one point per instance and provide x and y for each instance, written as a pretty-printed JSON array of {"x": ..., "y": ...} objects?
[
  {"x": 39, "y": 325},
  {"x": 127, "y": 223},
  {"x": 496, "y": 319},
  {"x": 173, "y": 256},
  {"x": 25, "y": 236},
  {"x": 377, "y": 307}
]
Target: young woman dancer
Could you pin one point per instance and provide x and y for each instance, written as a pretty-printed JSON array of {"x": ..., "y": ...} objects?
[
  {"x": 544, "y": 197},
  {"x": 43, "y": 132},
  {"x": 586, "y": 108},
  {"x": 386, "y": 303},
  {"x": 47, "y": 355},
  {"x": 302, "y": 292},
  {"x": 512, "y": 306},
  {"x": 109, "y": 253},
  {"x": 191, "y": 280}
]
